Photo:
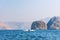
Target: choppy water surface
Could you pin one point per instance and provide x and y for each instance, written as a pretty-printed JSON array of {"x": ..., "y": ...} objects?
[{"x": 30, "y": 35}]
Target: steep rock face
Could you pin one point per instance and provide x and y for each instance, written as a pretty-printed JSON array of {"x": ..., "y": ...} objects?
[
  {"x": 54, "y": 23},
  {"x": 38, "y": 25}
]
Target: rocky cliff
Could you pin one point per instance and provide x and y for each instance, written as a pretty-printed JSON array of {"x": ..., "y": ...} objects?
[
  {"x": 38, "y": 25},
  {"x": 54, "y": 23}
]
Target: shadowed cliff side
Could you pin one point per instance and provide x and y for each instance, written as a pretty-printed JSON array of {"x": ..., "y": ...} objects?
[{"x": 54, "y": 23}]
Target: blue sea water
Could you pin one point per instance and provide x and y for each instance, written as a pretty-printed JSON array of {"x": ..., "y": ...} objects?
[{"x": 30, "y": 35}]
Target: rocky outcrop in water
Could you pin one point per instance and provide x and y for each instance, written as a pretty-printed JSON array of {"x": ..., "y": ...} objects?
[
  {"x": 38, "y": 25},
  {"x": 54, "y": 23}
]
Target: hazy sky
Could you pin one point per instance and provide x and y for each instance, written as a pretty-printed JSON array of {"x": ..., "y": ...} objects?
[{"x": 28, "y": 10}]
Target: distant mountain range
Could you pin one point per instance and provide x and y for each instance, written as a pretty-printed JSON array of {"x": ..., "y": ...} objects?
[
  {"x": 15, "y": 25},
  {"x": 27, "y": 25}
]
